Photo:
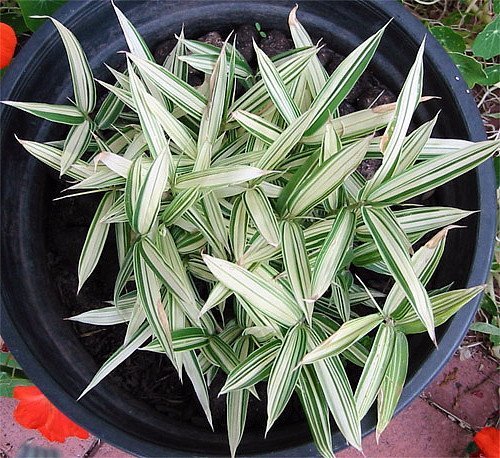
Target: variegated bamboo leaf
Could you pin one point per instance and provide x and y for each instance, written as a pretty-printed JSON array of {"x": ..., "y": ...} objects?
[
  {"x": 184, "y": 200},
  {"x": 238, "y": 228},
  {"x": 333, "y": 252},
  {"x": 262, "y": 214},
  {"x": 63, "y": 114},
  {"x": 375, "y": 369},
  {"x": 284, "y": 373},
  {"x": 263, "y": 295},
  {"x": 297, "y": 265},
  {"x": 95, "y": 240},
  {"x": 216, "y": 177},
  {"x": 392, "y": 383},
  {"x": 75, "y": 145},
  {"x": 383, "y": 228}
]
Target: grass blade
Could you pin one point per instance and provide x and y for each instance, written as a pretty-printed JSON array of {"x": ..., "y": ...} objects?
[{"x": 63, "y": 114}]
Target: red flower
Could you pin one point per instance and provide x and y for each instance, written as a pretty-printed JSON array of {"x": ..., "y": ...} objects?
[
  {"x": 488, "y": 441},
  {"x": 35, "y": 411},
  {"x": 8, "y": 42}
]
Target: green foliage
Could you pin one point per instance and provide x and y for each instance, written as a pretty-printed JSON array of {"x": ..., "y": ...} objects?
[
  {"x": 487, "y": 42},
  {"x": 11, "y": 375},
  {"x": 257, "y": 197}
]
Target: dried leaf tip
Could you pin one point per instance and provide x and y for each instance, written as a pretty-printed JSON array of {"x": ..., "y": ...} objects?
[
  {"x": 433, "y": 243},
  {"x": 292, "y": 17}
]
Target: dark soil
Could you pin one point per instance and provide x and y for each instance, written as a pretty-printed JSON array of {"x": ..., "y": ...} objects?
[{"x": 148, "y": 376}]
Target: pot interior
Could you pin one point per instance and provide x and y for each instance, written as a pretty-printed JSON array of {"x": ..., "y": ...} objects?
[{"x": 32, "y": 231}]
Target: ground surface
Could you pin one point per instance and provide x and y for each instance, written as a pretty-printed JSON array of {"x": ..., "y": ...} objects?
[{"x": 466, "y": 391}]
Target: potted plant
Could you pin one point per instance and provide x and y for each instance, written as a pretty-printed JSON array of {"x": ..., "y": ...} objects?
[{"x": 249, "y": 248}]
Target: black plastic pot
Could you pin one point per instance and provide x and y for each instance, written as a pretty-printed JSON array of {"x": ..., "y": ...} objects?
[{"x": 48, "y": 348}]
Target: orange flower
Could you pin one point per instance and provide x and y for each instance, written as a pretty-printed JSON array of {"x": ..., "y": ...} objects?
[
  {"x": 8, "y": 42},
  {"x": 488, "y": 441},
  {"x": 35, "y": 411}
]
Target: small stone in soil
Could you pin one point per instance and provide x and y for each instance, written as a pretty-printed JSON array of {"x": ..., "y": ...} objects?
[
  {"x": 212, "y": 38},
  {"x": 275, "y": 43}
]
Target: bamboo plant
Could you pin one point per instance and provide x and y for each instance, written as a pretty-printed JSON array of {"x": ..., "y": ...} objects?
[{"x": 257, "y": 197}]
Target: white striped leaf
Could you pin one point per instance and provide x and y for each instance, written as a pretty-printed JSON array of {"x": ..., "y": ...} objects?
[
  {"x": 444, "y": 306},
  {"x": 257, "y": 126},
  {"x": 282, "y": 146},
  {"x": 315, "y": 73},
  {"x": 288, "y": 69},
  {"x": 394, "y": 135},
  {"x": 215, "y": 218},
  {"x": 262, "y": 214},
  {"x": 106, "y": 316},
  {"x": 171, "y": 278},
  {"x": 253, "y": 369},
  {"x": 188, "y": 339},
  {"x": 315, "y": 408},
  {"x": 265, "y": 296},
  {"x": 187, "y": 98},
  {"x": 195, "y": 374},
  {"x": 94, "y": 241},
  {"x": 216, "y": 177},
  {"x": 321, "y": 181},
  {"x": 148, "y": 290},
  {"x": 416, "y": 220},
  {"x": 338, "y": 393},
  {"x": 81, "y": 74},
  {"x": 123, "y": 95},
  {"x": 392, "y": 383},
  {"x": 341, "y": 81},
  {"x": 284, "y": 373},
  {"x": 120, "y": 355},
  {"x": 109, "y": 111},
  {"x": 333, "y": 252},
  {"x": 374, "y": 371},
  {"x": 237, "y": 406},
  {"x": 297, "y": 266},
  {"x": 175, "y": 129},
  {"x": 150, "y": 193},
  {"x": 205, "y": 63},
  {"x": 432, "y": 173},
  {"x": 238, "y": 228},
  {"x": 151, "y": 127},
  {"x": 346, "y": 336},
  {"x": 276, "y": 88},
  {"x": 393, "y": 251},
  {"x": 63, "y": 114},
  {"x": 200, "y": 222},
  {"x": 424, "y": 262},
  {"x": 75, "y": 145},
  {"x": 184, "y": 200},
  {"x": 118, "y": 164},
  {"x": 123, "y": 276}
]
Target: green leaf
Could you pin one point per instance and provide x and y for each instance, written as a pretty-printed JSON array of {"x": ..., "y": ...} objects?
[
  {"x": 217, "y": 177},
  {"x": 392, "y": 383},
  {"x": 333, "y": 252},
  {"x": 492, "y": 73},
  {"x": 255, "y": 368},
  {"x": 346, "y": 336},
  {"x": 487, "y": 42},
  {"x": 385, "y": 230},
  {"x": 449, "y": 39},
  {"x": 64, "y": 114},
  {"x": 94, "y": 242},
  {"x": 37, "y": 8},
  {"x": 262, "y": 214},
  {"x": 485, "y": 328},
  {"x": 297, "y": 265},
  {"x": 184, "y": 200},
  {"x": 284, "y": 373},
  {"x": 265, "y": 296},
  {"x": 375, "y": 369},
  {"x": 470, "y": 68},
  {"x": 238, "y": 228},
  {"x": 195, "y": 374},
  {"x": 315, "y": 408}
]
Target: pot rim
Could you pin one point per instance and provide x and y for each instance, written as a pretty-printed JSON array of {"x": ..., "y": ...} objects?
[{"x": 76, "y": 9}]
